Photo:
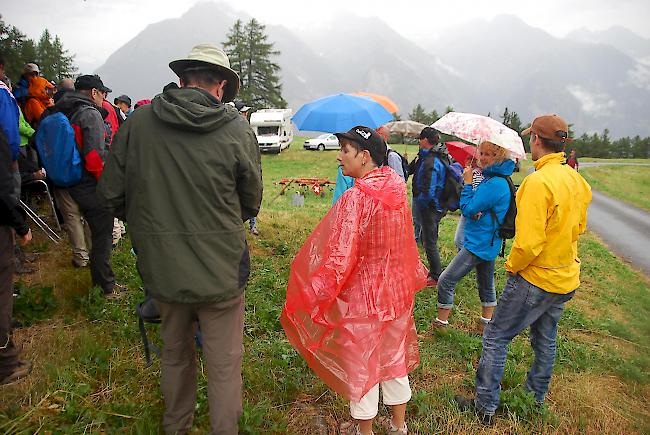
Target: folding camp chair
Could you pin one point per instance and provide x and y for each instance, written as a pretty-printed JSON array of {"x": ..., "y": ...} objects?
[
  {"x": 147, "y": 312},
  {"x": 28, "y": 189}
]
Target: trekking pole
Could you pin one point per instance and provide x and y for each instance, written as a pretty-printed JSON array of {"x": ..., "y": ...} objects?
[{"x": 41, "y": 223}]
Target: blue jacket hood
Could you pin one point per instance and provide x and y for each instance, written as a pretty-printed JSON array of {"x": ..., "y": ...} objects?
[{"x": 504, "y": 168}]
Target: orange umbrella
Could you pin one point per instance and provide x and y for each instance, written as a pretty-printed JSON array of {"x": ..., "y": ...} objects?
[{"x": 381, "y": 99}]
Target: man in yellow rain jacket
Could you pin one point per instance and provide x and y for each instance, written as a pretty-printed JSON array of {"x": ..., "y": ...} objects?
[{"x": 543, "y": 266}]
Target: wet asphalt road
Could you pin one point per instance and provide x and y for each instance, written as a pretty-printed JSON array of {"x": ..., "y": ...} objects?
[{"x": 624, "y": 228}]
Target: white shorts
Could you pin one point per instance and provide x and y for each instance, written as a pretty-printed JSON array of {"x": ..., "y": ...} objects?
[{"x": 394, "y": 392}]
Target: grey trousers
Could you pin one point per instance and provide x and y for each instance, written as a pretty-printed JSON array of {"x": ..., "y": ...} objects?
[
  {"x": 74, "y": 224},
  {"x": 222, "y": 328}
]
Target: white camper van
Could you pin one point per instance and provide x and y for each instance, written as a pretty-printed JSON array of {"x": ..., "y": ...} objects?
[{"x": 273, "y": 129}]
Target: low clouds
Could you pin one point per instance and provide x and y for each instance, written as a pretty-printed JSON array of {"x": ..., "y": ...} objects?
[
  {"x": 640, "y": 75},
  {"x": 598, "y": 104}
]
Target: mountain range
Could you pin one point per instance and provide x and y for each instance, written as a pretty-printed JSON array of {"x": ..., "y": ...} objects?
[{"x": 595, "y": 80}]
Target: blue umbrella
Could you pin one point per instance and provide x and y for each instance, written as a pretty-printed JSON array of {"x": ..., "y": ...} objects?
[{"x": 340, "y": 112}]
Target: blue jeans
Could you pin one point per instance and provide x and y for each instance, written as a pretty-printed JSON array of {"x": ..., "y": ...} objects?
[
  {"x": 459, "y": 236},
  {"x": 522, "y": 304},
  {"x": 460, "y": 266}
]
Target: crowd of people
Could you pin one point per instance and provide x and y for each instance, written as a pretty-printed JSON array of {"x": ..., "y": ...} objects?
[{"x": 183, "y": 171}]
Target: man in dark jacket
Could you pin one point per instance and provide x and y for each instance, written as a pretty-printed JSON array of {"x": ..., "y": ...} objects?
[
  {"x": 12, "y": 219},
  {"x": 428, "y": 182},
  {"x": 83, "y": 107},
  {"x": 184, "y": 173}
]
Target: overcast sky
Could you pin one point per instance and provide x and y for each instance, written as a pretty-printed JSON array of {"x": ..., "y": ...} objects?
[{"x": 93, "y": 29}]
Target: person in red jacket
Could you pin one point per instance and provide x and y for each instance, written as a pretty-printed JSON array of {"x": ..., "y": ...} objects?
[
  {"x": 83, "y": 107},
  {"x": 573, "y": 160}
]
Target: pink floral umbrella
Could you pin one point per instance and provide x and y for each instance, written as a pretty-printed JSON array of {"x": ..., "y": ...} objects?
[{"x": 477, "y": 128}]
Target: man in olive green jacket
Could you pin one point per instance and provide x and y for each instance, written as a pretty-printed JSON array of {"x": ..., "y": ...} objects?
[{"x": 184, "y": 173}]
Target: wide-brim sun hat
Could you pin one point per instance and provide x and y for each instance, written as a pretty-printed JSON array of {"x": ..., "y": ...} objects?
[{"x": 210, "y": 56}]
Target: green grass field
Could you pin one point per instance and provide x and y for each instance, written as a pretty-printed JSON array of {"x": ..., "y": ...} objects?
[
  {"x": 90, "y": 374},
  {"x": 627, "y": 183}
]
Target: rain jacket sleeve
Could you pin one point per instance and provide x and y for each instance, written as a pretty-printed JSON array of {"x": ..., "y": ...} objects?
[
  {"x": 89, "y": 128},
  {"x": 33, "y": 111},
  {"x": 26, "y": 130},
  {"x": 112, "y": 184},
  {"x": 249, "y": 178},
  {"x": 431, "y": 179},
  {"x": 9, "y": 119},
  {"x": 10, "y": 212},
  {"x": 437, "y": 183},
  {"x": 533, "y": 207}
]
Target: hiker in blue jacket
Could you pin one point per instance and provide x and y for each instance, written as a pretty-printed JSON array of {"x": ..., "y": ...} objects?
[
  {"x": 482, "y": 242},
  {"x": 428, "y": 182}
]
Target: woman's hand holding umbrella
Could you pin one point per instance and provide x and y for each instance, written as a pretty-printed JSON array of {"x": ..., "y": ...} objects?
[{"x": 467, "y": 174}]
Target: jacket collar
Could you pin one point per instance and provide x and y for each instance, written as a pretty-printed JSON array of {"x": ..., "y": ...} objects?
[{"x": 550, "y": 159}]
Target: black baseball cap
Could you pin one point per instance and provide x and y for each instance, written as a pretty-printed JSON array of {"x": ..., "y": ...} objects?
[
  {"x": 367, "y": 139},
  {"x": 87, "y": 82},
  {"x": 124, "y": 99}
]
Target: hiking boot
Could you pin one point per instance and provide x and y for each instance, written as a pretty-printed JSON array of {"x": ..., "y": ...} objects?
[
  {"x": 467, "y": 404},
  {"x": 350, "y": 427},
  {"x": 439, "y": 324},
  {"x": 112, "y": 295},
  {"x": 30, "y": 258},
  {"x": 23, "y": 368},
  {"x": 254, "y": 231},
  {"x": 21, "y": 269},
  {"x": 390, "y": 428},
  {"x": 431, "y": 282},
  {"x": 481, "y": 324},
  {"x": 79, "y": 263}
]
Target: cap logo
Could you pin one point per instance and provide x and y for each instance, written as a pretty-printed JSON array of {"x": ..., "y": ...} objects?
[{"x": 363, "y": 134}]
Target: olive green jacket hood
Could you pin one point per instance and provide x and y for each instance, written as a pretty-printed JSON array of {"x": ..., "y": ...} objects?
[
  {"x": 192, "y": 109},
  {"x": 184, "y": 172}
]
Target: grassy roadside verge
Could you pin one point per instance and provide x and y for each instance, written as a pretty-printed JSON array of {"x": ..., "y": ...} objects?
[
  {"x": 593, "y": 159},
  {"x": 90, "y": 374},
  {"x": 630, "y": 184}
]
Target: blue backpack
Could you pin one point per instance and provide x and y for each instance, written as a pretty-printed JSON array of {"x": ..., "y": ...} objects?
[
  {"x": 450, "y": 194},
  {"x": 57, "y": 148}
]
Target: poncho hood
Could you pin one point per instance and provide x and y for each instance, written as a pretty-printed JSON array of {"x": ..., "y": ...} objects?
[{"x": 382, "y": 185}]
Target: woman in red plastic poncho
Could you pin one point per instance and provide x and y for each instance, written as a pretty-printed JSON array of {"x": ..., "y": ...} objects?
[{"x": 349, "y": 308}]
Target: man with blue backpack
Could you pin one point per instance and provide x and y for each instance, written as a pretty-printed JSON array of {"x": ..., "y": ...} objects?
[
  {"x": 430, "y": 204},
  {"x": 71, "y": 143}
]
